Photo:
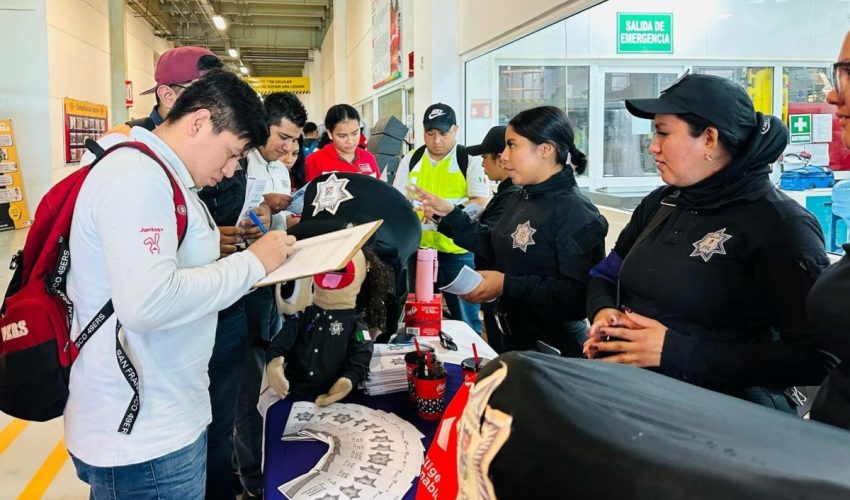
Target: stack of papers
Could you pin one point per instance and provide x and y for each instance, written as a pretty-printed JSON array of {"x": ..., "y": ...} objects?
[
  {"x": 387, "y": 371},
  {"x": 371, "y": 454}
]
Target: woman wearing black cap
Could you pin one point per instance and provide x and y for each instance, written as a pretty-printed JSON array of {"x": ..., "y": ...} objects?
[
  {"x": 546, "y": 240},
  {"x": 707, "y": 283}
]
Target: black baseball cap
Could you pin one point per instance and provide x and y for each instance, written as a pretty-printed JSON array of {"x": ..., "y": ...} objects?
[
  {"x": 439, "y": 116},
  {"x": 494, "y": 142},
  {"x": 717, "y": 100}
]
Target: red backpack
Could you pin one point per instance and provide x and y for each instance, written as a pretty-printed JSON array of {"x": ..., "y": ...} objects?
[{"x": 36, "y": 351}]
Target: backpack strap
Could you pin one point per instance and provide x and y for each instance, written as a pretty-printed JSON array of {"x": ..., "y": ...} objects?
[
  {"x": 462, "y": 158},
  {"x": 131, "y": 374}
]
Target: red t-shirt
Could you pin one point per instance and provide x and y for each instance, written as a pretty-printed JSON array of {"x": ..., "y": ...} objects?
[{"x": 327, "y": 160}]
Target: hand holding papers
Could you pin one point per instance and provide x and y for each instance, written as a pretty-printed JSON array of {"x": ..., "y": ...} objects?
[
  {"x": 253, "y": 197},
  {"x": 323, "y": 253},
  {"x": 465, "y": 282}
]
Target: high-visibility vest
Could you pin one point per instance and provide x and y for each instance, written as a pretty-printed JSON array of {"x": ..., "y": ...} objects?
[{"x": 447, "y": 184}]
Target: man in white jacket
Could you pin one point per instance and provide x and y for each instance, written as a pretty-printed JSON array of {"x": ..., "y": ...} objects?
[{"x": 125, "y": 247}]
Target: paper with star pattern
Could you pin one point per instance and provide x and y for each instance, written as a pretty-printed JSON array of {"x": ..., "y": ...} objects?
[{"x": 371, "y": 453}]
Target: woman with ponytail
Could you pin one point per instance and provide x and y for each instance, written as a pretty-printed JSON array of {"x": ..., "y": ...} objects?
[{"x": 547, "y": 239}]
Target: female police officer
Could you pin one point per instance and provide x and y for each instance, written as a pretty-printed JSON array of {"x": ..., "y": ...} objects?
[
  {"x": 827, "y": 303},
  {"x": 718, "y": 278},
  {"x": 546, "y": 240}
]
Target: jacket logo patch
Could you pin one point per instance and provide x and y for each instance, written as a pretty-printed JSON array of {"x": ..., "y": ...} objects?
[
  {"x": 152, "y": 243},
  {"x": 336, "y": 328},
  {"x": 710, "y": 244},
  {"x": 330, "y": 194},
  {"x": 523, "y": 236}
]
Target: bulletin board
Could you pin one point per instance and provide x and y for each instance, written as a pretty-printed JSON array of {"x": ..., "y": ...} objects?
[
  {"x": 83, "y": 120},
  {"x": 13, "y": 205}
]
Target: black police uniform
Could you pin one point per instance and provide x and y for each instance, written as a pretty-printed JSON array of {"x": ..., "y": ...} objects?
[
  {"x": 545, "y": 242},
  {"x": 828, "y": 314},
  {"x": 321, "y": 347},
  {"x": 727, "y": 273}
]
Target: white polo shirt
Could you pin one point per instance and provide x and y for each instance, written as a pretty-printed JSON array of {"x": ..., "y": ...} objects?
[{"x": 124, "y": 246}]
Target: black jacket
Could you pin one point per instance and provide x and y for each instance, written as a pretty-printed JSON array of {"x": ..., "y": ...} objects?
[
  {"x": 727, "y": 273},
  {"x": 493, "y": 212},
  {"x": 830, "y": 319},
  {"x": 320, "y": 347},
  {"x": 545, "y": 242}
]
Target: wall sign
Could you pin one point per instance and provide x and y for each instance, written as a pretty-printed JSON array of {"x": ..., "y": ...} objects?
[
  {"x": 644, "y": 33},
  {"x": 386, "y": 41},
  {"x": 83, "y": 120},
  {"x": 269, "y": 84},
  {"x": 13, "y": 206},
  {"x": 801, "y": 128}
]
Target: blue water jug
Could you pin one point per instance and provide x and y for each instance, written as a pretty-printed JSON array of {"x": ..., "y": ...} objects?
[{"x": 841, "y": 200}]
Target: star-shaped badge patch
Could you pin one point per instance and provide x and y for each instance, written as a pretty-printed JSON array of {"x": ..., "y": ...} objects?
[
  {"x": 336, "y": 328},
  {"x": 523, "y": 236},
  {"x": 379, "y": 458},
  {"x": 350, "y": 491},
  {"x": 368, "y": 481},
  {"x": 330, "y": 194},
  {"x": 342, "y": 418},
  {"x": 710, "y": 244},
  {"x": 304, "y": 417},
  {"x": 371, "y": 469}
]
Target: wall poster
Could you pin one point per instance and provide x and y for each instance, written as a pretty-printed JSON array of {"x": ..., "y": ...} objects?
[
  {"x": 13, "y": 206},
  {"x": 83, "y": 120},
  {"x": 386, "y": 41}
]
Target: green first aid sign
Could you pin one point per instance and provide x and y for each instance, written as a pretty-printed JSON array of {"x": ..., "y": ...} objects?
[
  {"x": 644, "y": 33},
  {"x": 801, "y": 128}
]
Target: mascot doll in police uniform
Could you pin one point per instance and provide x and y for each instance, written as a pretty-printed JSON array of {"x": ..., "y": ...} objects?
[{"x": 325, "y": 351}]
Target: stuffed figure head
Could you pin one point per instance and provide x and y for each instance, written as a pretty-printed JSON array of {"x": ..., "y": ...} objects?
[{"x": 360, "y": 285}]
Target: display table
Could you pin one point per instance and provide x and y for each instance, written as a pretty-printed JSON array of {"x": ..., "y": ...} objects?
[{"x": 286, "y": 460}]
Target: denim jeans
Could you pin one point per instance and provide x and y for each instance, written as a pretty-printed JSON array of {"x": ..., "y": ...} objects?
[
  {"x": 225, "y": 371},
  {"x": 178, "y": 475},
  {"x": 449, "y": 266},
  {"x": 263, "y": 322}
]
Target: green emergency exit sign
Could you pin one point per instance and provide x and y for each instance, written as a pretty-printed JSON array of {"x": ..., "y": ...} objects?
[
  {"x": 644, "y": 33},
  {"x": 801, "y": 128}
]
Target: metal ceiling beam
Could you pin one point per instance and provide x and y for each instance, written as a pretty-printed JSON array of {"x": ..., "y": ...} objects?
[{"x": 293, "y": 22}]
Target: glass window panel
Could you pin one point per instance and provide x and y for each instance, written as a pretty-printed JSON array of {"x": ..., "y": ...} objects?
[
  {"x": 390, "y": 105},
  {"x": 758, "y": 82},
  {"x": 627, "y": 137}
]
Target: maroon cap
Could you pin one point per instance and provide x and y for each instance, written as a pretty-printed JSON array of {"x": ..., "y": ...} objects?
[{"x": 178, "y": 65}]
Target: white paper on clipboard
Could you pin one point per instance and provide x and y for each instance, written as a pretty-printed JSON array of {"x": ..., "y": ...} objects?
[{"x": 323, "y": 253}]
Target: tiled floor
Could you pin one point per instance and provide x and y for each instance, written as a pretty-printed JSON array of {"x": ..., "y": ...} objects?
[{"x": 33, "y": 460}]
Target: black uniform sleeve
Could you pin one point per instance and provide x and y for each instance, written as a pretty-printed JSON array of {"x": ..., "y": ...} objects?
[
  {"x": 577, "y": 251},
  {"x": 359, "y": 356},
  {"x": 786, "y": 271},
  {"x": 602, "y": 293},
  {"x": 466, "y": 233},
  {"x": 282, "y": 342}
]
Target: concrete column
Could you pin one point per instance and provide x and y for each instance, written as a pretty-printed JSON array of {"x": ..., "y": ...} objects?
[
  {"x": 437, "y": 76},
  {"x": 24, "y": 95},
  {"x": 339, "y": 58},
  {"x": 117, "y": 60}
]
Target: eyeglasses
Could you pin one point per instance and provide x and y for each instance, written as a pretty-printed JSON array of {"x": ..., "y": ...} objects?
[
  {"x": 447, "y": 342},
  {"x": 840, "y": 73}
]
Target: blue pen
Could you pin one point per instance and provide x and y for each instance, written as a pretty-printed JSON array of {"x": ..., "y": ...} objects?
[{"x": 257, "y": 221}]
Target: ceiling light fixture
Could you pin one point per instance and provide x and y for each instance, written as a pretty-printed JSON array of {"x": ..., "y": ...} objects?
[
  {"x": 219, "y": 22},
  {"x": 243, "y": 70},
  {"x": 232, "y": 52}
]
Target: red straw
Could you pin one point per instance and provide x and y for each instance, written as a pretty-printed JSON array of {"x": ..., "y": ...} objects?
[
  {"x": 475, "y": 354},
  {"x": 418, "y": 350}
]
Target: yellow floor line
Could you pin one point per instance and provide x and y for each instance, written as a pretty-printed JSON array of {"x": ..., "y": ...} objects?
[
  {"x": 46, "y": 473},
  {"x": 9, "y": 433}
]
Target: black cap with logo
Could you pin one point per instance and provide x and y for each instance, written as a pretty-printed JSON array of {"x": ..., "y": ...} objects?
[
  {"x": 721, "y": 102},
  {"x": 439, "y": 116},
  {"x": 494, "y": 142}
]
